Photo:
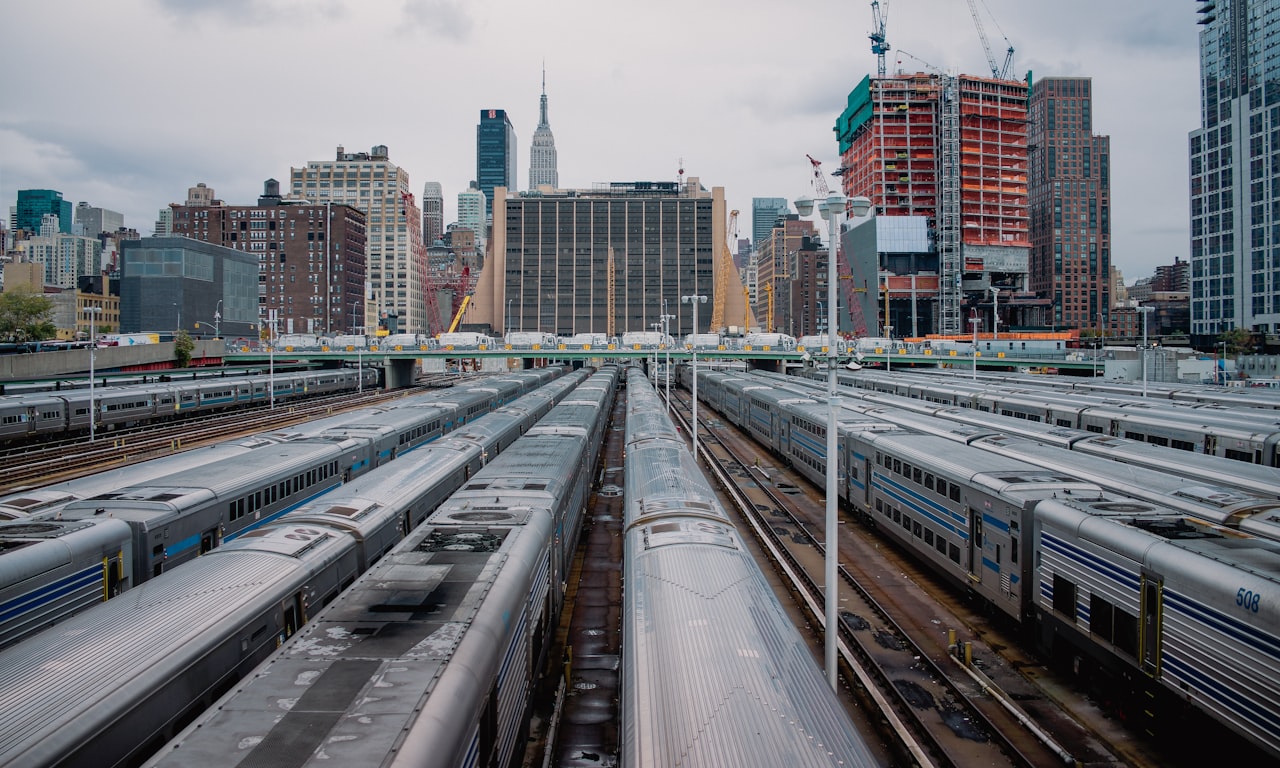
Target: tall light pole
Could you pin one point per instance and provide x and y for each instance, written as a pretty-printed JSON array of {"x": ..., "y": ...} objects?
[
  {"x": 657, "y": 331},
  {"x": 1098, "y": 347},
  {"x": 831, "y": 209},
  {"x": 888, "y": 351},
  {"x": 271, "y": 357},
  {"x": 666, "y": 333},
  {"x": 974, "y": 321},
  {"x": 217, "y": 320},
  {"x": 507, "y": 324},
  {"x": 177, "y": 310},
  {"x": 995, "y": 312},
  {"x": 93, "y": 312},
  {"x": 1145, "y": 311},
  {"x": 695, "y": 299}
]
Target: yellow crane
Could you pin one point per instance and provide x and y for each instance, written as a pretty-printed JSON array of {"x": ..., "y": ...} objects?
[
  {"x": 768, "y": 318},
  {"x": 721, "y": 296}
]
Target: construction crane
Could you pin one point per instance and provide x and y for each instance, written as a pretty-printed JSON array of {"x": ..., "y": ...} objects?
[
  {"x": 879, "y": 45},
  {"x": 843, "y": 266},
  {"x": 461, "y": 298},
  {"x": 721, "y": 294},
  {"x": 768, "y": 318},
  {"x": 997, "y": 71}
]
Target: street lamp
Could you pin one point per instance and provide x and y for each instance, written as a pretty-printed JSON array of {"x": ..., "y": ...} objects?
[
  {"x": 217, "y": 320},
  {"x": 657, "y": 331},
  {"x": 507, "y": 324},
  {"x": 93, "y": 312},
  {"x": 888, "y": 350},
  {"x": 831, "y": 209},
  {"x": 974, "y": 321},
  {"x": 1097, "y": 349},
  {"x": 177, "y": 310},
  {"x": 695, "y": 299},
  {"x": 1145, "y": 311}
]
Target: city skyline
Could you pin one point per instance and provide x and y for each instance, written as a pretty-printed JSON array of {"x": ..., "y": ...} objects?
[{"x": 683, "y": 91}]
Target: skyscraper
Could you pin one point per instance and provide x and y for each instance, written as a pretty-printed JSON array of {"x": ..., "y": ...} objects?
[
  {"x": 473, "y": 212},
  {"x": 764, "y": 215},
  {"x": 396, "y": 257},
  {"x": 432, "y": 212},
  {"x": 1235, "y": 184},
  {"x": 1070, "y": 204},
  {"x": 542, "y": 155},
  {"x": 32, "y": 206},
  {"x": 495, "y": 153}
]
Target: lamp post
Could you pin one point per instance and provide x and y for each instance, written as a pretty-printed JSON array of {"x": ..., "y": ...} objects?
[
  {"x": 177, "y": 310},
  {"x": 271, "y": 357},
  {"x": 1224, "y": 363},
  {"x": 974, "y": 321},
  {"x": 1145, "y": 311},
  {"x": 217, "y": 320},
  {"x": 657, "y": 330},
  {"x": 507, "y": 324},
  {"x": 888, "y": 351},
  {"x": 831, "y": 209},
  {"x": 695, "y": 299},
  {"x": 666, "y": 334},
  {"x": 995, "y": 312},
  {"x": 93, "y": 312},
  {"x": 1097, "y": 349}
]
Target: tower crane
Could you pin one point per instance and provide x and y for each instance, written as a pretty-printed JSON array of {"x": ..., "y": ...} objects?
[
  {"x": 998, "y": 72},
  {"x": 879, "y": 45},
  {"x": 721, "y": 294}
]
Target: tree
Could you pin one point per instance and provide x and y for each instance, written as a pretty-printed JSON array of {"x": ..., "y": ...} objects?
[
  {"x": 25, "y": 316},
  {"x": 1238, "y": 340},
  {"x": 182, "y": 348}
]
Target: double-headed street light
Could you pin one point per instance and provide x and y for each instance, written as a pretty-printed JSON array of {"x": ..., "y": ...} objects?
[
  {"x": 995, "y": 313},
  {"x": 93, "y": 313},
  {"x": 831, "y": 209},
  {"x": 695, "y": 299}
]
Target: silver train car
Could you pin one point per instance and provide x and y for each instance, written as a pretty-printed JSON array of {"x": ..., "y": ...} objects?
[
  {"x": 180, "y": 641},
  {"x": 972, "y": 515},
  {"x": 66, "y": 413},
  {"x": 1241, "y": 436},
  {"x": 218, "y": 494},
  {"x": 1175, "y": 601},
  {"x": 713, "y": 670},
  {"x": 447, "y": 633}
]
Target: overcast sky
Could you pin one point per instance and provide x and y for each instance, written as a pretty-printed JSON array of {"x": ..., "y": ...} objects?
[{"x": 125, "y": 104}]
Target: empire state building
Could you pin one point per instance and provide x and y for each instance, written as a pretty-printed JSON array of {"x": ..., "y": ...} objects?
[{"x": 542, "y": 155}]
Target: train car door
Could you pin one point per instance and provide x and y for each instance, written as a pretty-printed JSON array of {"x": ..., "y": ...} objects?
[
  {"x": 209, "y": 539},
  {"x": 975, "y": 546},
  {"x": 295, "y": 616},
  {"x": 113, "y": 572},
  {"x": 1152, "y": 623}
]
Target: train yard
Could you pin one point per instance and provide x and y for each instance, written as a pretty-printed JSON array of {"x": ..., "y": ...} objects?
[{"x": 675, "y": 642}]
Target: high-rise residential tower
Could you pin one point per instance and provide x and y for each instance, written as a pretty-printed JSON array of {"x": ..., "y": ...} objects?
[
  {"x": 396, "y": 257},
  {"x": 1235, "y": 171},
  {"x": 495, "y": 153},
  {"x": 432, "y": 212},
  {"x": 1070, "y": 204},
  {"x": 542, "y": 155}
]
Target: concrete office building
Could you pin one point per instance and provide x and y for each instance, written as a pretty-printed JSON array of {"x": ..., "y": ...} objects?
[
  {"x": 551, "y": 259},
  {"x": 91, "y": 221},
  {"x": 432, "y": 212}
]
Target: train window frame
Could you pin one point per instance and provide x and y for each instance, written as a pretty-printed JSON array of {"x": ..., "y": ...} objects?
[
  {"x": 928, "y": 480},
  {"x": 953, "y": 492},
  {"x": 1064, "y": 597},
  {"x": 928, "y": 537},
  {"x": 915, "y": 475}
]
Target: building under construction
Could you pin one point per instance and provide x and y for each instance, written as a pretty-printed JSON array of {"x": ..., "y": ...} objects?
[{"x": 951, "y": 149}]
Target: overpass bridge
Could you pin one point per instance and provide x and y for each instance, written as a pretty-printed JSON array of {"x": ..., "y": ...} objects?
[{"x": 400, "y": 364}]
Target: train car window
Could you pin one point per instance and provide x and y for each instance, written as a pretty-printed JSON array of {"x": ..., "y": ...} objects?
[
  {"x": 897, "y": 467},
  {"x": 928, "y": 536},
  {"x": 915, "y": 527},
  {"x": 915, "y": 475},
  {"x": 941, "y": 546},
  {"x": 1238, "y": 455},
  {"x": 1063, "y": 422},
  {"x": 928, "y": 480},
  {"x": 953, "y": 552},
  {"x": 1101, "y": 617},
  {"x": 953, "y": 492},
  {"x": 879, "y": 506},
  {"x": 897, "y": 516},
  {"x": 1064, "y": 597},
  {"x": 1182, "y": 445},
  {"x": 1135, "y": 436},
  {"x": 906, "y": 470},
  {"x": 1125, "y": 632}
]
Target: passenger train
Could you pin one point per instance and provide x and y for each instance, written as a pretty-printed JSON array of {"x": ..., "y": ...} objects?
[
  {"x": 1171, "y": 605},
  {"x": 1253, "y": 437},
  {"x": 55, "y": 561},
  {"x": 431, "y": 658},
  {"x": 109, "y": 686},
  {"x": 714, "y": 672},
  {"x": 64, "y": 413}
]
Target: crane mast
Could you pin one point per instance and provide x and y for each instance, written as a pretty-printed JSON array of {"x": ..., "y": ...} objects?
[
  {"x": 879, "y": 44},
  {"x": 721, "y": 296}
]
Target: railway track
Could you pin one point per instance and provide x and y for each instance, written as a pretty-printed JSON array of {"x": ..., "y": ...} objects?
[
  {"x": 935, "y": 710},
  {"x": 41, "y": 464}
]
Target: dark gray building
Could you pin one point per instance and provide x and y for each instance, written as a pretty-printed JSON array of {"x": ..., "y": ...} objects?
[
  {"x": 495, "y": 153},
  {"x": 170, "y": 283}
]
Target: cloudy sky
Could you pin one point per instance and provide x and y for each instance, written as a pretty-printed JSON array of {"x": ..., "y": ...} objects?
[{"x": 125, "y": 104}]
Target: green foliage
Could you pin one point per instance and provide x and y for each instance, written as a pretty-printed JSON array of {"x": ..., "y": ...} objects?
[
  {"x": 182, "y": 348},
  {"x": 1239, "y": 340},
  {"x": 26, "y": 316}
]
